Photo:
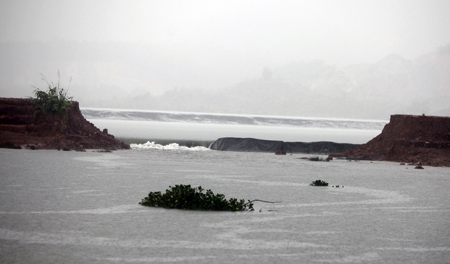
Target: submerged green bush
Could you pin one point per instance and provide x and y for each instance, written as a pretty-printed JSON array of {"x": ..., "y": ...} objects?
[
  {"x": 54, "y": 100},
  {"x": 186, "y": 197},
  {"x": 319, "y": 183}
]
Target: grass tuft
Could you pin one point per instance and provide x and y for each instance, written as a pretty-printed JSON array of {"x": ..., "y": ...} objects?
[{"x": 55, "y": 99}]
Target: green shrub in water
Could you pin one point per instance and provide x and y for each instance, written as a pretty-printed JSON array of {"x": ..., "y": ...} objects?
[
  {"x": 319, "y": 183},
  {"x": 186, "y": 197}
]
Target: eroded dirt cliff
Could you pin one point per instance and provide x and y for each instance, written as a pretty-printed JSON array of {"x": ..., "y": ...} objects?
[
  {"x": 23, "y": 125},
  {"x": 409, "y": 139}
]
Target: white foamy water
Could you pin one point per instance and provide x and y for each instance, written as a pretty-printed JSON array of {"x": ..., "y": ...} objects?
[
  {"x": 82, "y": 207},
  {"x": 171, "y": 146}
]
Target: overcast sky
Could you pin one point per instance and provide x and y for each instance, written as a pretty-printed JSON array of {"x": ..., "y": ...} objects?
[
  {"x": 338, "y": 32},
  {"x": 130, "y": 48}
]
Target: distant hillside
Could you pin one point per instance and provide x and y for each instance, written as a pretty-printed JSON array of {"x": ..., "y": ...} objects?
[{"x": 375, "y": 91}]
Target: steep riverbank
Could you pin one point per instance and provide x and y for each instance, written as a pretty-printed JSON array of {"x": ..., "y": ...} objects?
[
  {"x": 409, "y": 139},
  {"x": 22, "y": 125}
]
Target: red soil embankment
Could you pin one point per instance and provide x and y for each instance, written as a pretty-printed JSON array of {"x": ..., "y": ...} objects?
[
  {"x": 21, "y": 125},
  {"x": 409, "y": 139}
]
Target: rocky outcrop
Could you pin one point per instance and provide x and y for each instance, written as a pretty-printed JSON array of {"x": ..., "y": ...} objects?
[
  {"x": 409, "y": 139},
  {"x": 23, "y": 125},
  {"x": 259, "y": 145}
]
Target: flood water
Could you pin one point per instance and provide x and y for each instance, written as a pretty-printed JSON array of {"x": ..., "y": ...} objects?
[{"x": 82, "y": 207}]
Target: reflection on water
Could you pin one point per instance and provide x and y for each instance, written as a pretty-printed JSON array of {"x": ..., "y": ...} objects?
[{"x": 79, "y": 207}]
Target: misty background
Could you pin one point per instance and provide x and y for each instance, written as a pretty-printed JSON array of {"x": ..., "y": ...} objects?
[{"x": 347, "y": 59}]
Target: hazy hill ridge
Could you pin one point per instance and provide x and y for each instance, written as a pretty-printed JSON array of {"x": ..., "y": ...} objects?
[{"x": 119, "y": 75}]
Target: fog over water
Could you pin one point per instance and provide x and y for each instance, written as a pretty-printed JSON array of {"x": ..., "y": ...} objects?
[
  {"x": 141, "y": 126},
  {"x": 348, "y": 59}
]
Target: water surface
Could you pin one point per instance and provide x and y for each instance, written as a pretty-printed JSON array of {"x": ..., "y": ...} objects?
[{"x": 82, "y": 207}]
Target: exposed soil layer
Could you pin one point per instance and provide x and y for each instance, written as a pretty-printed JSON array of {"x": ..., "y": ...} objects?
[
  {"x": 25, "y": 125},
  {"x": 408, "y": 139}
]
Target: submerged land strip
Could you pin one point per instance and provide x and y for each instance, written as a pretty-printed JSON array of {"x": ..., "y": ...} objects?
[
  {"x": 260, "y": 145},
  {"x": 24, "y": 125}
]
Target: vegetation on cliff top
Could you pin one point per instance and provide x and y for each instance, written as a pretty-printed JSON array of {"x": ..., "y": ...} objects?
[
  {"x": 186, "y": 197},
  {"x": 55, "y": 99}
]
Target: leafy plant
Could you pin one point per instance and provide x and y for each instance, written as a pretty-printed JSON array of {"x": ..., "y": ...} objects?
[
  {"x": 186, "y": 197},
  {"x": 55, "y": 99},
  {"x": 319, "y": 183}
]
